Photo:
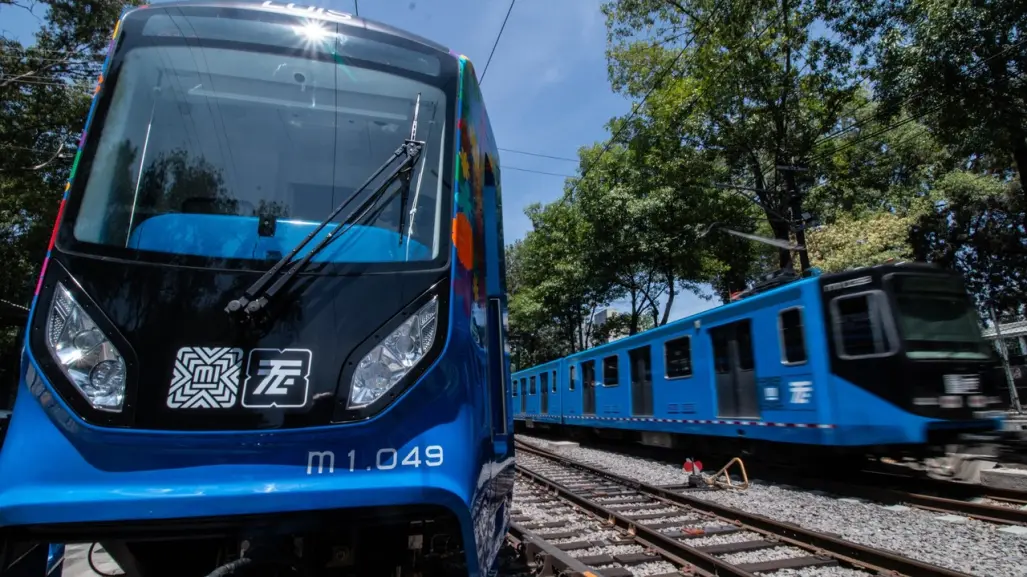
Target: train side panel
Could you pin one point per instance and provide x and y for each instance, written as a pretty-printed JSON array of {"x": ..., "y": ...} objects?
[
  {"x": 720, "y": 373},
  {"x": 537, "y": 401}
]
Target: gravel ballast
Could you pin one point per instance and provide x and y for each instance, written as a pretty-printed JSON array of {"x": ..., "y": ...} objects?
[{"x": 973, "y": 547}]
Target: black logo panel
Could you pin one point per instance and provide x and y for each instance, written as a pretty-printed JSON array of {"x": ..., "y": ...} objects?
[{"x": 277, "y": 378}]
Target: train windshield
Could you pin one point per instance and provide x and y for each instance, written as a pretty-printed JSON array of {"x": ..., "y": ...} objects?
[
  {"x": 936, "y": 319},
  {"x": 231, "y": 133}
]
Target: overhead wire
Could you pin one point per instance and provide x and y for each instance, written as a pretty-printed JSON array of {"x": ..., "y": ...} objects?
[
  {"x": 496, "y": 43},
  {"x": 661, "y": 75},
  {"x": 565, "y": 158},
  {"x": 899, "y": 105},
  {"x": 863, "y": 138}
]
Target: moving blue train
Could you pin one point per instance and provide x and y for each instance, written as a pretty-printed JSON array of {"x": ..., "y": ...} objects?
[
  {"x": 268, "y": 335},
  {"x": 886, "y": 359}
]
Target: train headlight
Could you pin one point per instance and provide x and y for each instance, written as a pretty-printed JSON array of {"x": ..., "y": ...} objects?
[
  {"x": 388, "y": 362},
  {"x": 86, "y": 356}
]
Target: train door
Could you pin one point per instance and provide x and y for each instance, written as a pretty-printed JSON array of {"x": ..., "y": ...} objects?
[
  {"x": 543, "y": 383},
  {"x": 641, "y": 381},
  {"x": 524, "y": 395},
  {"x": 588, "y": 388},
  {"x": 735, "y": 370},
  {"x": 555, "y": 392}
]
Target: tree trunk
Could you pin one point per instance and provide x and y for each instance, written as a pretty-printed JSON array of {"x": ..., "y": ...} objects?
[
  {"x": 1020, "y": 157},
  {"x": 781, "y": 232},
  {"x": 670, "y": 300}
]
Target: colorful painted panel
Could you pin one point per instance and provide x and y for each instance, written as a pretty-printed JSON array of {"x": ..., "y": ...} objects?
[{"x": 476, "y": 175}]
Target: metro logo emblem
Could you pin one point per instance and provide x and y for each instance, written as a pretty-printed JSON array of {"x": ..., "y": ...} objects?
[
  {"x": 205, "y": 378},
  {"x": 277, "y": 378}
]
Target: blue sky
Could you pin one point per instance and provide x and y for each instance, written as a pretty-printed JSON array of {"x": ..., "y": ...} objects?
[{"x": 546, "y": 89}]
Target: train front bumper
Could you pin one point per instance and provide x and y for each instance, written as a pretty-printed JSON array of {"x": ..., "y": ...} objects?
[{"x": 77, "y": 476}]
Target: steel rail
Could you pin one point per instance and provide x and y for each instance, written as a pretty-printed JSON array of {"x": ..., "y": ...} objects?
[
  {"x": 545, "y": 559},
  {"x": 851, "y": 553},
  {"x": 707, "y": 564}
]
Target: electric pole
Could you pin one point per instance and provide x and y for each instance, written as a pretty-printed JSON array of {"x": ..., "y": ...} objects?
[{"x": 799, "y": 219}]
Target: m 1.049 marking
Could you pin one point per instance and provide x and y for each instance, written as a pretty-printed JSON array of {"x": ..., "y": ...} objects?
[{"x": 385, "y": 459}]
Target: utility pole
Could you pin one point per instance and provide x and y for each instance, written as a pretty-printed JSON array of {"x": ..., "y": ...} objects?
[
  {"x": 1014, "y": 398},
  {"x": 798, "y": 224}
]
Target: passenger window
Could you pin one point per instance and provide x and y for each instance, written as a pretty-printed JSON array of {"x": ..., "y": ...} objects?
[
  {"x": 588, "y": 373},
  {"x": 554, "y": 381},
  {"x": 859, "y": 326},
  {"x": 793, "y": 342},
  {"x": 543, "y": 381},
  {"x": 531, "y": 391},
  {"x": 677, "y": 354},
  {"x": 570, "y": 378},
  {"x": 610, "y": 371},
  {"x": 515, "y": 387},
  {"x": 524, "y": 386}
]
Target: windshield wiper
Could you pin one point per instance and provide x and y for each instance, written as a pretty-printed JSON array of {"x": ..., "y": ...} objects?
[{"x": 257, "y": 297}]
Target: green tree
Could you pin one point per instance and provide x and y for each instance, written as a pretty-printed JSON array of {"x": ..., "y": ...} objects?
[
  {"x": 45, "y": 91},
  {"x": 752, "y": 83},
  {"x": 553, "y": 292},
  {"x": 978, "y": 228},
  {"x": 958, "y": 65}
]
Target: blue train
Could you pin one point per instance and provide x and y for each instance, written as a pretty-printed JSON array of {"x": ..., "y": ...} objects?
[
  {"x": 270, "y": 327},
  {"x": 887, "y": 359}
]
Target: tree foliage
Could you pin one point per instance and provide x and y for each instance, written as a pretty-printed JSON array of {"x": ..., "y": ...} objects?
[
  {"x": 45, "y": 90},
  {"x": 907, "y": 117}
]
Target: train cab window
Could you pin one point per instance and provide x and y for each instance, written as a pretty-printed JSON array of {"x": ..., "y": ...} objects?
[
  {"x": 793, "y": 342},
  {"x": 531, "y": 391},
  {"x": 610, "y": 371},
  {"x": 570, "y": 378},
  {"x": 554, "y": 382},
  {"x": 677, "y": 355},
  {"x": 859, "y": 325}
]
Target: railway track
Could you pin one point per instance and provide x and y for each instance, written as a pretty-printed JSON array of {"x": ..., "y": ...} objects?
[
  {"x": 891, "y": 486},
  {"x": 618, "y": 527}
]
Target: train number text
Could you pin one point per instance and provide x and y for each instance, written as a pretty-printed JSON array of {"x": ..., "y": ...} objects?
[{"x": 385, "y": 459}]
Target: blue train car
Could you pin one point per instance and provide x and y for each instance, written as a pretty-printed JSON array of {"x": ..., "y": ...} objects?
[
  {"x": 270, "y": 327},
  {"x": 887, "y": 358},
  {"x": 538, "y": 393}
]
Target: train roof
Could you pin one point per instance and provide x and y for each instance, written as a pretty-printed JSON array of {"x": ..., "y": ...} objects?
[
  {"x": 727, "y": 309},
  {"x": 324, "y": 14}
]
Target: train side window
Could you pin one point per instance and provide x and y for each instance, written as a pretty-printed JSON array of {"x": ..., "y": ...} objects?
[
  {"x": 515, "y": 383},
  {"x": 531, "y": 390},
  {"x": 610, "y": 366},
  {"x": 554, "y": 382},
  {"x": 543, "y": 381},
  {"x": 588, "y": 373},
  {"x": 570, "y": 378},
  {"x": 677, "y": 356},
  {"x": 793, "y": 341},
  {"x": 860, "y": 328},
  {"x": 524, "y": 386}
]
